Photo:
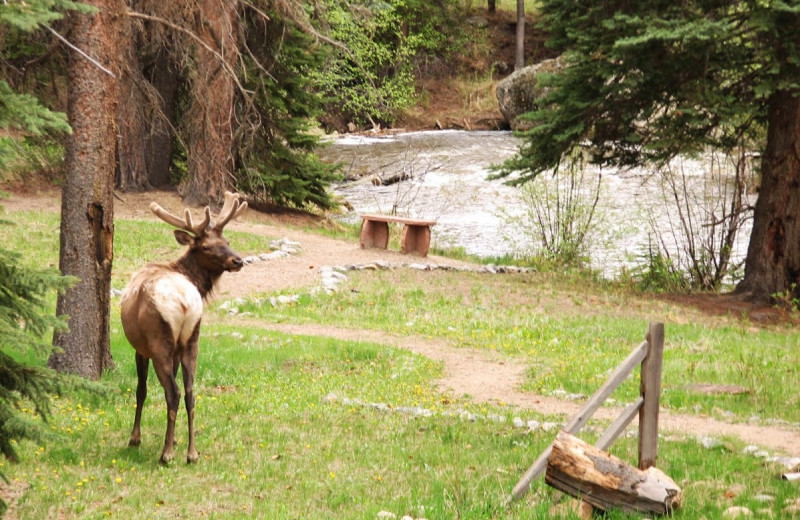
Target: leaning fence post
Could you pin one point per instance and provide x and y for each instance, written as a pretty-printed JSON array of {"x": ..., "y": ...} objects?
[{"x": 650, "y": 389}]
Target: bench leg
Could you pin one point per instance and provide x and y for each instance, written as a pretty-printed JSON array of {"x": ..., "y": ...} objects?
[
  {"x": 416, "y": 239},
  {"x": 374, "y": 234}
]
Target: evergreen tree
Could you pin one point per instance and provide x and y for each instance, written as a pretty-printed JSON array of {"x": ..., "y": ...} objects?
[
  {"x": 24, "y": 319},
  {"x": 24, "y": 314},
  {"x": 278, "y": 159},
  {"x": 645, "y": 81}
]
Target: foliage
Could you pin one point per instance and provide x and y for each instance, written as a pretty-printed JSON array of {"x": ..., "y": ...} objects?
[
  {"x": 373, "y": 79},
  {"x": 701, "y": 216},
  {"x": 22, "y": 114},
  {"x": 656, "y": 272},
  {"x": 559, "y": 216},
  {"x": 645, "y": 81},
  {"x": 24, "y": 314},
  {"x": 33, "y": 14},
  {"x": 24, "y": 318},
  {"x": 279, "y": 163}
]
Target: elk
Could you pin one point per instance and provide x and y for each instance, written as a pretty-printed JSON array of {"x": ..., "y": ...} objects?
[{"x": 162, "y": 307}]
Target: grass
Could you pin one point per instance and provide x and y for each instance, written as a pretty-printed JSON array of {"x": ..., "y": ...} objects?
[
  {"x": 293, "y": 426},
  {"x": 570, "y": 335}
]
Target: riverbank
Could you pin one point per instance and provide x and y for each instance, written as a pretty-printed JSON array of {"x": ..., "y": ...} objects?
[{"x": 466, "y": 100}]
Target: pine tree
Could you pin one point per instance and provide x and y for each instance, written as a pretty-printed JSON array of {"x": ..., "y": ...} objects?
[
  {"x": 277, "y": 154},
  {"x": 24, "y": 320},
  {"x": 643, "y": 82},
  {"x": 24, "y": 313}
]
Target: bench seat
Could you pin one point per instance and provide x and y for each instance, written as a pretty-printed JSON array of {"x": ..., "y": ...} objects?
[{"x": 416, "y": 237}]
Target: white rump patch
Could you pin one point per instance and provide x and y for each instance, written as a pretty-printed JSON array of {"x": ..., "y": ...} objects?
[{"x": 179, "y": 303}]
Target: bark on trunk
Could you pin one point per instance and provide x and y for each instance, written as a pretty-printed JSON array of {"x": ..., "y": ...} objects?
[
  {"x": 133, "y": 128},
  {"x": 146, "y": 113},
  {"x": 87, "y": 210},
  {"x": 519, "y": 50},
  {"x": 210, "y": 119},
  {"x": 772, "y": 265},
  {"x": 165, "y": 79},
  {"x": 773, "y": 256}
]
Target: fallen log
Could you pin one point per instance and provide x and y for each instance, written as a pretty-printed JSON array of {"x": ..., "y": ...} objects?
[
  {"x": 607, "y": 482},
  {"x": 389, "y": 178}
]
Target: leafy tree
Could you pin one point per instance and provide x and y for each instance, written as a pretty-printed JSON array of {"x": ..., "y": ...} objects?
[
  {"x": 24, "y": 314},
  {"x": 646, "y": 81},
  {"x": 373, "y": 79}
]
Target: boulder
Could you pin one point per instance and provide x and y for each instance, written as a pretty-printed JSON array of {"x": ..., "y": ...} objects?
[{"x": 517, "y": 94}]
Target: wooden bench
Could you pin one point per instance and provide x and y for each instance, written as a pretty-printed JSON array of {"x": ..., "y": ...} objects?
[{"x": 416, "y": 236}]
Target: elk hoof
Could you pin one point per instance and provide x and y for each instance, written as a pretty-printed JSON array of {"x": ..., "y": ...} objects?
[
  {"x": 134, "y": 443},
  {"x": 192, "y": 457},
  {"x": 166, "y": 458}
]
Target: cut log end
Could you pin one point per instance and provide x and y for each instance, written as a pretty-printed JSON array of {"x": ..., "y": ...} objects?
[{"x": 607, "y": 482}]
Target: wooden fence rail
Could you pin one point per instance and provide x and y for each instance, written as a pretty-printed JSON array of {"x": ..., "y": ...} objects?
[{"x": 649, "y": 354}]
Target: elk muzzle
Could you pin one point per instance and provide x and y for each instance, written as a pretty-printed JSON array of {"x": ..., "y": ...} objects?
[{"x": 234, "y": 263}]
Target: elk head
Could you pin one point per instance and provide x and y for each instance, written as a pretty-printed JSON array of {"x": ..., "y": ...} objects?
[{"x": 207, "y": 247}]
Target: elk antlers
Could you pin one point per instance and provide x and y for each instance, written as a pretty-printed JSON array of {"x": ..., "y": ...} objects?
[{"x": 231, "y": 209}]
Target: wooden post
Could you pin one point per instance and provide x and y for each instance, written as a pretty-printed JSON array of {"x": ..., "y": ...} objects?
[
  {"x": 579, "y": 420},
  {"x": 650, "y": 389},
  {"x": 650, "y": 354}
]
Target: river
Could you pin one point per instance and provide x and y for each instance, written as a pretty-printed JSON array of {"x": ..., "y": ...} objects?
[{"x": 447, "y": 174}]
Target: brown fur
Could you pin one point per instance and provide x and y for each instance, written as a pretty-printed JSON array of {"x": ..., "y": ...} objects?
[{"x": 162, "y": 309}]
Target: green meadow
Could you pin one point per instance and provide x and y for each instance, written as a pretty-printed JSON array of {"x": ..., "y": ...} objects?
[{"x": 313, "y": 427}]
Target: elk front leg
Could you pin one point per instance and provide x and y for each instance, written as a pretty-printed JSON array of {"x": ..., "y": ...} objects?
[
  {"x": 172, "y": 395},
  {"x": 188, "y": 366},
  {"x": 142, "y": 366}
]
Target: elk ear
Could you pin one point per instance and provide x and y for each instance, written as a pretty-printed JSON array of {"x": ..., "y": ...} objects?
[{"x": 184, "y": 238}]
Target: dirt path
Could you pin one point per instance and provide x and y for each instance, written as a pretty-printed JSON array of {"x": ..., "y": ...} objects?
[
  {"x": 490, "y": 378},
  {"x": 482, "y": 376}
]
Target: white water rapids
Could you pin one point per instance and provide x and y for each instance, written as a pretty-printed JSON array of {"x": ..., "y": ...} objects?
[{"x": 448, "y": 183}]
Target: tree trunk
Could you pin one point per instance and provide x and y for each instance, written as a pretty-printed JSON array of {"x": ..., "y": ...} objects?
[
  {"x": 519, "y": 50},
  {"x": 134, "y": 127},
  {"x": 87, "y": 208},
  {"x": 772, "y": 265},
  {"x": 773, "y": 256},
  {"x": 146, "y": 113},
  {"x": 165, "y": 79},
  {"x": 492, "y": 6},
  {"x": 210, "y": 118}
]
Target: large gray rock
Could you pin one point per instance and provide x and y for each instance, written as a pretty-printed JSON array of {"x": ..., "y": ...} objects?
[{"x": 518, "y": 93}]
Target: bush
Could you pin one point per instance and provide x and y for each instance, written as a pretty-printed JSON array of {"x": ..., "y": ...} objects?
[{"x": 560, "y": 216}]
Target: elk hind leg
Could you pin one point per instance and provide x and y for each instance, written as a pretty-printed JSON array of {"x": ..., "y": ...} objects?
[
  {"x": 166, "y": 375},
  {"x": 142, "y": 367},
  {"x": 188, "y": 366}
]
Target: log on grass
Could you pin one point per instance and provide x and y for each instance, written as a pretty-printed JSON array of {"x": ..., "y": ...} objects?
[{"x": 606, "y": 482}]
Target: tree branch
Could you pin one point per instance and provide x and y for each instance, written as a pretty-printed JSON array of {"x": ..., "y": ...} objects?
[
  {"x": 196, "y": 38},
  {"x": 79, "y": 51}
]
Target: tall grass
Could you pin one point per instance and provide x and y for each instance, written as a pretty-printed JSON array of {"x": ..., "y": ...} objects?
[{"x": 293, "y": 426}]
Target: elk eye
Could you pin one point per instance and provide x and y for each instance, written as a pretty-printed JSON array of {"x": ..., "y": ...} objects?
[{"x": 206, "y": 248}]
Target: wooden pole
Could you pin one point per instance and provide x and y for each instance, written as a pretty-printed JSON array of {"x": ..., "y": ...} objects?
[
  {"x": 579, "y": 420},
  {"x": 651, "y": 393}
]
